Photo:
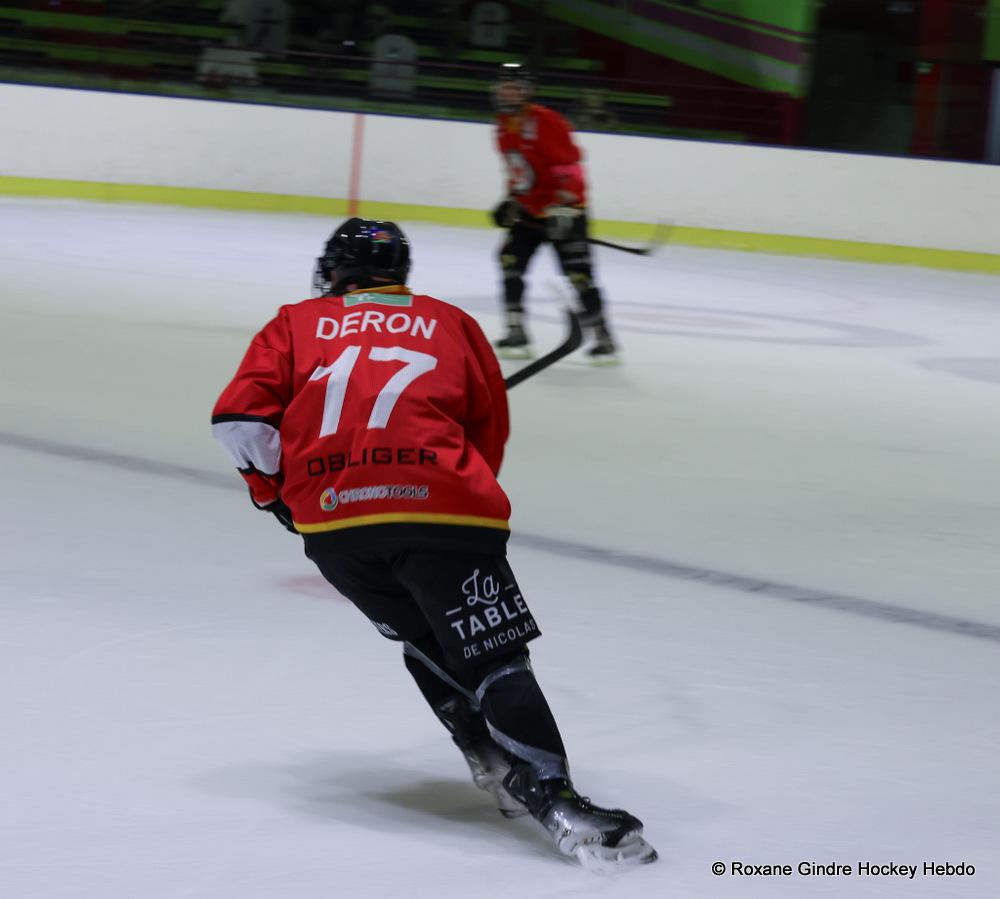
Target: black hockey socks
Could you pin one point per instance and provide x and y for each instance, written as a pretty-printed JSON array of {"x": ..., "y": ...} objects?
[
  {"x": 423, "y": 660},
  {"x": 507, "y": 701},
  {"x": 519, "y": 718},
  {"x": 592, "y": 303},
  {"x": 455, "y": 707},
  {"x": 513, "y": 289}
]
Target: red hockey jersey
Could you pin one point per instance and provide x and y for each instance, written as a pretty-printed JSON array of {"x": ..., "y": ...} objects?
[
  {"x": 543, "y": 163},
  {"x": 378, "y": 417}
]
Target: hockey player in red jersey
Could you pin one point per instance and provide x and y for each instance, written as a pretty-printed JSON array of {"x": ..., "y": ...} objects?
[
  {"x": 546, "y": 200},
  {"x": 372, "y": 421}
]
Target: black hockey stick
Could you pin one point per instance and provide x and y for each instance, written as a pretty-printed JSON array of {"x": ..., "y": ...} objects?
[
  {"x": 572, "y": 342},
  {"x": 658, "y": 239}
]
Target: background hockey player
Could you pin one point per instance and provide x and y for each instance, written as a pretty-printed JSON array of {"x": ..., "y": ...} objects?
[
  {"x": 546, "y": 201},
  {"x": 372, "y": 421}
]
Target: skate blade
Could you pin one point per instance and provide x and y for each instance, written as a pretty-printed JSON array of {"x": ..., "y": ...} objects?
[
  {"x": 631, "y": 852},
  {"x": 515, "y": 353},
  {"x": 604, "y": 361}
]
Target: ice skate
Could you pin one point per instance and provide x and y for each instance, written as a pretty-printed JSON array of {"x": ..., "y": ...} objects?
[
  {"x": 600, "y": 839},
  {"x": 515, "y": 345},
  {"x": 489, "y": 765},
  {"x": 604, "y": 351},
  {"x": 487, "y": 762}
]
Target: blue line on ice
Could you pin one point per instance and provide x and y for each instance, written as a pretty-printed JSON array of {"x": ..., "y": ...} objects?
[{"x": 867, "y": 608}]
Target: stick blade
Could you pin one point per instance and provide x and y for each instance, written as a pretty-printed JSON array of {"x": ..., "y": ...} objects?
[{"x": 660, "y": 235}]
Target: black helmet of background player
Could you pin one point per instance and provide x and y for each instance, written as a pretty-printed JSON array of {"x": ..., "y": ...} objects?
[
  {"x": 362, "y": 253},
  {"x": 513, "y": 88}
]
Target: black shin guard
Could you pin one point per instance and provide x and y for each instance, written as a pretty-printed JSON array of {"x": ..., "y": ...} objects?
[
  {"x": 434, "y": 689},
  {"x": 507, "y": 706},
  {"x": 513, "y": 292},
  {"x": 593, "y": 305},
  {"x": 455, "y": 707},
  {"x": 520, "y": 720}
]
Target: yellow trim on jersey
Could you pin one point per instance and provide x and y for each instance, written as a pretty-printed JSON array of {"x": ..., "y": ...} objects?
[{"x": 404, "y": 518}]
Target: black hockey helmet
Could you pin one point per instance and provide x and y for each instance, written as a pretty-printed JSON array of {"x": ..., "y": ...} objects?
[
  {"x": 513, "y": 75},
  {"x": 362, "y": 253}
]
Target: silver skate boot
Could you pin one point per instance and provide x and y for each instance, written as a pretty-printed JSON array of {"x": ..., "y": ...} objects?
[
  {"x": 488, "y": 763},
  {"x": 600, "y": 839}
]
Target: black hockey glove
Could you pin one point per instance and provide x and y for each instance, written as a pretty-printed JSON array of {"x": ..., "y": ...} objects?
[
  {"x": 284, "y": 515},
  {"x": 506, "y": 213},
  {"x": 280, "y": 511}
]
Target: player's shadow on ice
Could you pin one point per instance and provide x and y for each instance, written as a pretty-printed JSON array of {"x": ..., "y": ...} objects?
[{"x": 345, "y": 788}]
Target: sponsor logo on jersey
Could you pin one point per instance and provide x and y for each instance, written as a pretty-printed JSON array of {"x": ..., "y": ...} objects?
[
  {"x": 330, "y": 499},
  {"x": 520, "y": 174},
  {"x": 381, "y": 299},
  {"x": 384, "y": 491}
]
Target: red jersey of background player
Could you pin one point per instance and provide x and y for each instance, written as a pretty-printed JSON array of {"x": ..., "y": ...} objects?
[
  {"x": 379, "y": 407},
  {"x": 543, "y": 163}
]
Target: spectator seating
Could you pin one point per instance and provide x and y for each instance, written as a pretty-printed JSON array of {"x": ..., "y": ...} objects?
[{"x": 187, "y": 48}]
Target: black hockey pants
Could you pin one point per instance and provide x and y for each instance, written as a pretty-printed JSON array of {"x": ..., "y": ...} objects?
[
  {"x": 464, "y": 625},
  {"x": 522, "y": 242}
]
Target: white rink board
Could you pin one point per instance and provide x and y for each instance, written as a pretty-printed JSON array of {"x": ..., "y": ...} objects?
[
  {"x": 121, "y": 138},
  {"x": 172, "y": 142},
  {"x": 452, "y": 164}
]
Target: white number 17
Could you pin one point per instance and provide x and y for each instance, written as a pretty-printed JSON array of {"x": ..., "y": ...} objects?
[{"x": 339, "y": 373}]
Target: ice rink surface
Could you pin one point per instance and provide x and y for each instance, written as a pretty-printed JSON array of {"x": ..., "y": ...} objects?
[{"x": 764, "y": 554}]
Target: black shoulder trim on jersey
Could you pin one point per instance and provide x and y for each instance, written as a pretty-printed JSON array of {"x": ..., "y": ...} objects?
[{"x": 219, "y": 419}]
